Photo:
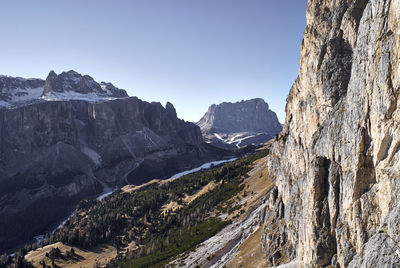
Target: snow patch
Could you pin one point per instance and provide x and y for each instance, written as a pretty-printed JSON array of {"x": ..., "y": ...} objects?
[
  {"x": 204, "y": 166},
  {"x": 72, "y": 95},
  {"x": 237, "y": 138},
  {"x": 239, "y": 141},
  {"x": 219, "y": 137},
  {"x": 22, "y": 95},
  {"x": 4, "y": 104},
  {"x": 102, "y": 196},
  {"x": 232, "y": 139},
  {"x": 106, "y": 190}
]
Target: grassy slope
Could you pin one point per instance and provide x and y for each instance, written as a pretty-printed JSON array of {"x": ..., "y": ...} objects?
[{"x": 135, "y": 217}]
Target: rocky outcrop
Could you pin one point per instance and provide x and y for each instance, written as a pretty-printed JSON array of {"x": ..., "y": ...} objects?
[
  {"x": 232, "y": 125},
  {"x": 336, "y": 163},
  {"x": 17, "y": 91},
  {"x": 72, "y": 81},
  {"x": 53, "y": 153}
]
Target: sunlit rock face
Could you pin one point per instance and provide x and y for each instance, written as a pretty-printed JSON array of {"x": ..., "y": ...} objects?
[
  {"x": 233, "y": 125},
  {"x": 336, "y": 164}
]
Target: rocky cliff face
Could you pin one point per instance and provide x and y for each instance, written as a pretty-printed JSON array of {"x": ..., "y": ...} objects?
[
  {"x": 231, "y": 125},
  {"x": 85, "y": 138},
  {"x": 336, "y": 163}
]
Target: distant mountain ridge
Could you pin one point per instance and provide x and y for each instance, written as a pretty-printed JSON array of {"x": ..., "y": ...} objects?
[
  {"x": 75, "y": 82},
  {"x": 69, "y": 137},
  {"x": 16, "y": 91},
  {"x": 232, "y": 125}
]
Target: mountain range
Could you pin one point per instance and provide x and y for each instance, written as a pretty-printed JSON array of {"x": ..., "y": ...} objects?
[
  {"x": 324, "y": 193},
  {"x": 68, "y": 137}
]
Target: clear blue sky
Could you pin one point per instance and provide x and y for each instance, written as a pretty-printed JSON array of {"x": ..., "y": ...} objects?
[{"x": 192, "y": 53}]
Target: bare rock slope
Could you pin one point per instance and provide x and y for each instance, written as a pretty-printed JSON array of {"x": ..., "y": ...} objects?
[
  {"x": 336, "y": 164},
  {"x": 232, "y": 125}
]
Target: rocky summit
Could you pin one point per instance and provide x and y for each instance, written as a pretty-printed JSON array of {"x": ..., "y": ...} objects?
[
  {"x": 17, "y": 91},
  {"x": 76, "y": 138},
  {"x": 336, "y": 162},
  {"x": 73, "y": 82},
  {"x": 232, "y": 125}
]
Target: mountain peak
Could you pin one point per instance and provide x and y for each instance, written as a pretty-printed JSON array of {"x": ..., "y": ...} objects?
[
  {"x": 72, "y": 81},
  {"x": 70, "y": 85},
  {"x": 232, "y": 123},
  {"x": 52, "y": 73},
  {"x": 170, "y": 108},
  {"x": 245, "y": 115}
]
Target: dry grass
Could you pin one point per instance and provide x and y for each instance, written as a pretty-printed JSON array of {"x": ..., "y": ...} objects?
[
  {"x": 256, "y": 186},
  {"x": 210, "y": 186},
  {"x": 131, "y": 188},
  {"x": 173, "y": 205},
  {"x": 100, "y": 255},
  {"x": 250, "y": 253},
  {"x": 132, "y": 246}
]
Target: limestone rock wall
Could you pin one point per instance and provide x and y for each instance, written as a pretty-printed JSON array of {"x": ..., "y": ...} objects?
[{"x": 336, "y": 164}]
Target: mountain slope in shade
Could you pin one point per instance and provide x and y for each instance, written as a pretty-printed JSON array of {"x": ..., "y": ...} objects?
[
  {"x": 77, "y": 139},
  {"x": 232, "y": 125},
  {"x": 14, "y": 90}
]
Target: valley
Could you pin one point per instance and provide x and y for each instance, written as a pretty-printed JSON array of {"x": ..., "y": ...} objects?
[
  {"x": 151, "y": 239},
  {"x": 91, "y": 139},
  {"x": 146, "y": 189}
]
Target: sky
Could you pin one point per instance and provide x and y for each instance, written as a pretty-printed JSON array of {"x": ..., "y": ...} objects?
[{"x": 192, "y": 53}]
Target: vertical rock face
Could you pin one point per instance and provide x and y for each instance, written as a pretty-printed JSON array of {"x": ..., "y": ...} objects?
[
  {"x": 336, "y": 164},
  {"x": 231, "y": 125}
]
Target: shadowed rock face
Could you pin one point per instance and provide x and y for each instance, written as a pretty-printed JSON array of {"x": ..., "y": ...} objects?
[
  {"x": 54, "y": 153},
  {"x": 75, "y": 82},
  {"x": 8, "y": 84},
  {"x": 231, "y": 125},
  {"x": 18, "y": 88},
  {"x": 336, "y": 162},
  {"x": 17, "y": 91}
]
